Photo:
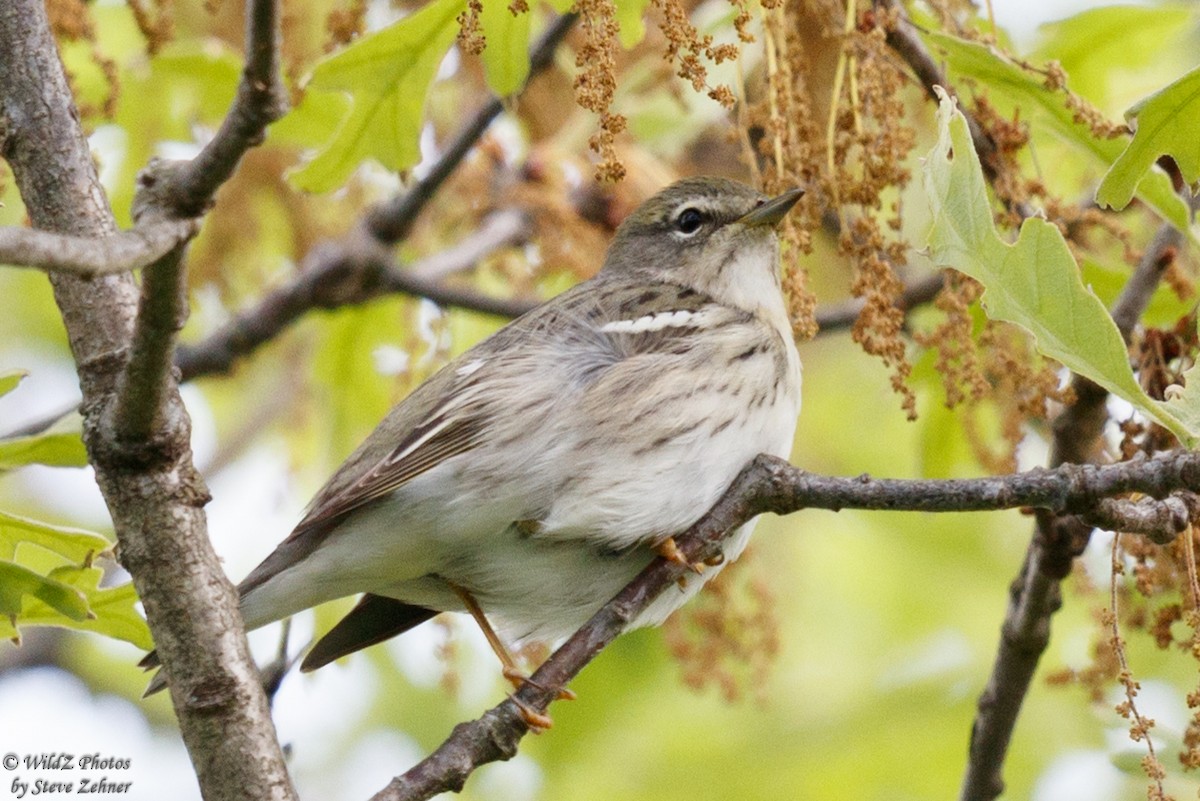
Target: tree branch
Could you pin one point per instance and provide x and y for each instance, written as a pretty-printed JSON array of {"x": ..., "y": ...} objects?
[
  {"x": 360, "y": 266},
  {"x": 844, "y": 315},
  {"x": 1035, "y": 594},
  {"x": 261, "y": 99},
  {"x": 769, "y": 484},
  {"x": 92, "y": 256},
  {"x": 153, "y": 493},
  {"x": 334, "y": 275},
  {"x": 142, "y": 406},
  {"x": 390, "y": 222}
]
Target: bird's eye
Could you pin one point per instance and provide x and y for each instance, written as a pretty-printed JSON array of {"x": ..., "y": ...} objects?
[{"x": 689, "y": 221}]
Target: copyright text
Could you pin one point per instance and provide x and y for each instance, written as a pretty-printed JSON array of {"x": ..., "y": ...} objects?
[{"x": 59, "y": 773}]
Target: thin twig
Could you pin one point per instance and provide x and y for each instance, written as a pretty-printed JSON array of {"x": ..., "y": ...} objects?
[
  {"x": 844, "y": 315},
  {"x": 507, "y": 225},
  {"x": 261, "y": 99},
  {"x": 390, "y": 222},
  {"x": 772, "y": 485},
  {"x": 122, "y": 252},
  {"x": 352, "y": 271}
]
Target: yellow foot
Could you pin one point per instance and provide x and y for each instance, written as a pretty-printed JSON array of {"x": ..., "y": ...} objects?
[
  {"x": 668, "y": 550},
  {"x": 536, "y": 721},
  {"x": 519, "y": 678}
]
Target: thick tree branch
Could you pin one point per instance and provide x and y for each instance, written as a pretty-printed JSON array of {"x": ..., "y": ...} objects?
[
  {"x": 92, "y": 256},
  {"x": 1035, "y": 594},
  {"x": 152, "y": 490},
  {"x": 772, "y": 485}
]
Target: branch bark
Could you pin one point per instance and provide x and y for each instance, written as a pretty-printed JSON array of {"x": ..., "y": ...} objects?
[
  {"x": 83, "y": 256},
  {"x": 769, "y": 484},
  {"x": 261, "y": 99},
  {"x": 1035, "y": 595},
  {"x": 153, "y": 492}
]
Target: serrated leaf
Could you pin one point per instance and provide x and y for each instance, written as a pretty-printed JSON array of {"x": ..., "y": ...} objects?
[
  {"x": 388, "y": 75},
  {"x": 19, "y": 585},
  {"x": 506, "y": 56},
  {"x": 1167, "y": 122},
  {"x": 73, "y": 544},
  {"x": 1033, "y": 283},
  {"x": 111, "y": 611},
  {"x": 54, "y": 449},
  {"x": 10, "y": 379},
  {"x": 1045, "y": 108}
]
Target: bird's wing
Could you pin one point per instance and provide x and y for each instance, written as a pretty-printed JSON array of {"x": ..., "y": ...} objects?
[
  {"x": 431, "y": 425},
  {"x": 581, "y": 333}
]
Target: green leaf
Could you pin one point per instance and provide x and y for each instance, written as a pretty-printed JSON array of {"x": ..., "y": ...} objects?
[
  {"x": 10, "y": 379},
  {"x": 388, "y": 75},
  {"x": 57, "y": 450},
  {"x": 18, "y": 584},
  {"x": 111, "y": 611},
  {"x": 1102, "y": 48},
  {"x": 47, "y": 579},
  {"x": 73, "y": 544},
  {"x": 631, "y": 22},
  {"x": 1167, "y": 122},
  {"x": 506, "y": 56},
  {"x": 1045, "y": 109},
  {"x": 1033, "y": 283}
]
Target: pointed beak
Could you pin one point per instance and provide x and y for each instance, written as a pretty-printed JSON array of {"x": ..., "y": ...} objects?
[{"x": 773, "y": 210}]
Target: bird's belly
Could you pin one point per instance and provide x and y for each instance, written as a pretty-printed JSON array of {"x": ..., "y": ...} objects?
[
  {"x": 537, "y": 589},
  {"x": 646, "y": 492}
]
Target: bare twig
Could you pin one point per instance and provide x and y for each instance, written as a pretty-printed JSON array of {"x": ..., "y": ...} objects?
[
  {"x": 335, "y": 275},
  {"x": 360, "y": 266},
  {"x": 902, "y": 38},
  {"x": 85, "y": 256},
  {"x": 844, "y": 315},
  {"x": 772, "y": 485},
  {"x": 261, "y": 99},
  {"x": 505, "y": 225},
  {"x": 390, "y": 222}
]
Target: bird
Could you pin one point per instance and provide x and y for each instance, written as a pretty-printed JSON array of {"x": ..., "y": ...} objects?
[{"x": 532, "y": 477}]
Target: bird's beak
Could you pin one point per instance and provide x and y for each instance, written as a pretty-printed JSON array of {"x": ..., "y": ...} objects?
[{"x": 773, "y": 210}]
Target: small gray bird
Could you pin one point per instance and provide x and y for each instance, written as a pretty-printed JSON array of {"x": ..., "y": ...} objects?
[{"x": 534, "y": 476}]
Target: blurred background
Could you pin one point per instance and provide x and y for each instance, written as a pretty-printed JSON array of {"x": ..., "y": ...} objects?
[{"x": 842, "y": 658}]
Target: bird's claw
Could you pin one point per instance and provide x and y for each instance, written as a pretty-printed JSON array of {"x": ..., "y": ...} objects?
[{"x": 668, "y": 550}]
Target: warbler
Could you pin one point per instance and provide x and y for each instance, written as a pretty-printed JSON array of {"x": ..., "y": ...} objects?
[{"x": 531, "y": 478}]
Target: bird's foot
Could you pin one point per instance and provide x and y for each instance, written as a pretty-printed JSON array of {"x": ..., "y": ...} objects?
[
  {"x": 537, "y": 722},
  {"x": 519, "y": 678},
  {"x": 668, "y": 550}
]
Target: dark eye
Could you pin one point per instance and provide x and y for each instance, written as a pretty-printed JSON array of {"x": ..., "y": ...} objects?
[{"x": 689, "y": 221}]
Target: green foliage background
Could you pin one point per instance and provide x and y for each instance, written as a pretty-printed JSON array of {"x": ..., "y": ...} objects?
[{"x": 888, "y": 622}]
